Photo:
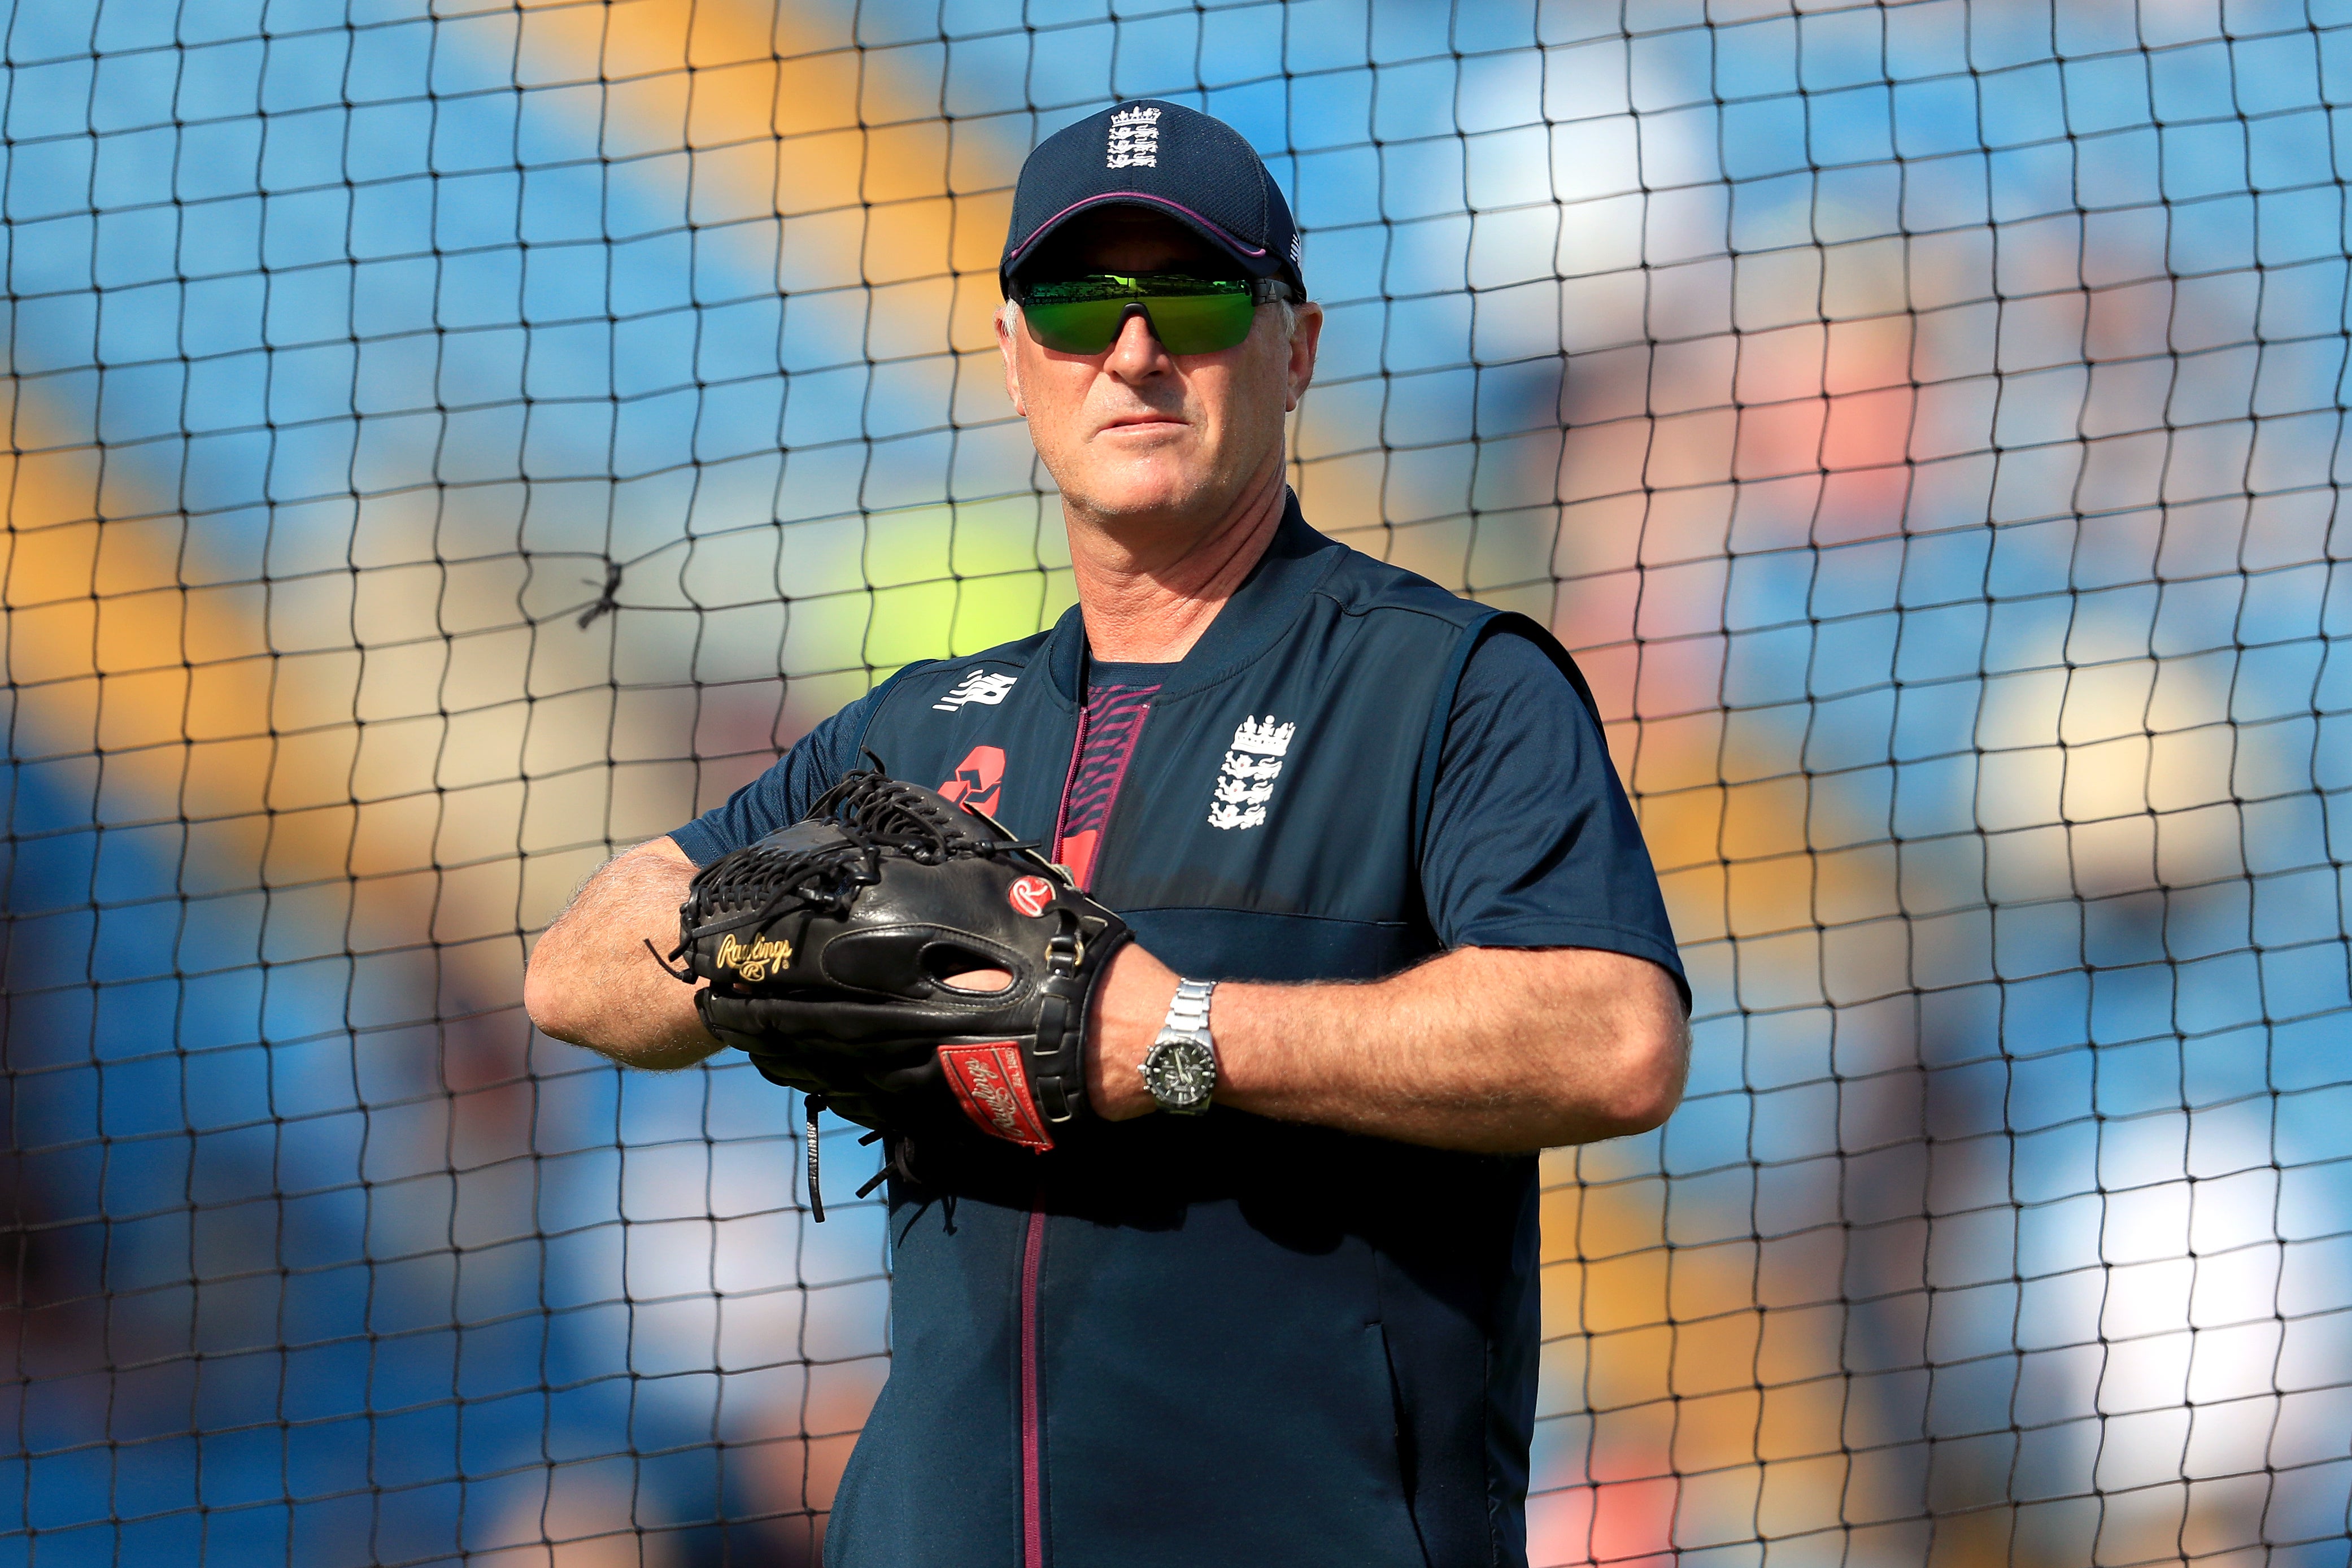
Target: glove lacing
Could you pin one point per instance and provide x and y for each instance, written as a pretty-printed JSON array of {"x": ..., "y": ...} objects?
[{"x": 875, "y": 814}]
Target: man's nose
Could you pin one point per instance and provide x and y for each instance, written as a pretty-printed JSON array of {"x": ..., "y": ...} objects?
[{"x": 1135, "y": 352}]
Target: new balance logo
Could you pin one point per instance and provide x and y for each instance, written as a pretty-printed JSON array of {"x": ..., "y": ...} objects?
[
  {"x": 980, "y": 686},
  {"x": 1134, "y": 140},
  {"x": 1245, "y": 781}
]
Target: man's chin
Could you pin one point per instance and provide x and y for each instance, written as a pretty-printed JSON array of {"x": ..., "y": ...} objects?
[
  {"x": 1147, "y": 493},
  {"x": 1162, "y": 492}
]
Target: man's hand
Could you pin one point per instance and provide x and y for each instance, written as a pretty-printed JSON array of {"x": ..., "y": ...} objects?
[
  {"x": 592, "y": 982},
  {"x": 1499, "y": 1050}
]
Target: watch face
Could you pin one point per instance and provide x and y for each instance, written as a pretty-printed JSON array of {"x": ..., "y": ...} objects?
[{"x": 1180, "y": 1072}]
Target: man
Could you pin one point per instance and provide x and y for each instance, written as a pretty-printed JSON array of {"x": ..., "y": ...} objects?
[{"x": 1302, "y": 1326}]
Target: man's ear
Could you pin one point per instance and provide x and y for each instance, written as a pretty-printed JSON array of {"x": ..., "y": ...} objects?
[
  {"x": 1009, "y": 349},
  {"x": 1305, "y": 335}
]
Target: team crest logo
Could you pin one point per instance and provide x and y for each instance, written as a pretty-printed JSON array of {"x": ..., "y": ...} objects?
[
  {"x": 1134, "y": 140},
  {"x": 1246, "y": 782},
  {"x": 981, "y": 685}
]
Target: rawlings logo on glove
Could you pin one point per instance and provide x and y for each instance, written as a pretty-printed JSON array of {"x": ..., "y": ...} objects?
[
  {"x": 994, "y": 1085},
  {"x": 856, "y": 955},
  {"x": 751, "y": 962}
]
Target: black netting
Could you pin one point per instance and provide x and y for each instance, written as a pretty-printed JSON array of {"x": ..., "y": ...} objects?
[{"x": 447, "y": 447}]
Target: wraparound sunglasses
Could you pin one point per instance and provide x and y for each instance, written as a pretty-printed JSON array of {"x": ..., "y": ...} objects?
[{"x": 1188, "y": 315}]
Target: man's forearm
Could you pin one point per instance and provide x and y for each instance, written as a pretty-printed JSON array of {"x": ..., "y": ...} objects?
[
  {"x": 593, "y": 981},
  {"x": 1485, "y": 1048}
]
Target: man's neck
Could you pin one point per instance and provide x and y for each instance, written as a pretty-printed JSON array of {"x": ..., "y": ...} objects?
[{"x": 1147, "y": 600}]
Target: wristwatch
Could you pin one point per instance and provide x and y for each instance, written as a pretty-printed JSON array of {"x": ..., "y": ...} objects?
[{"x": 1180, "y": 1068}]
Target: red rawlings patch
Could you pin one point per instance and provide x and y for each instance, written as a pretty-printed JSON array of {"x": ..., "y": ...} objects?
[
  {"x": 994, "y": 1088},
  {"x": 1032, "y": 896}
]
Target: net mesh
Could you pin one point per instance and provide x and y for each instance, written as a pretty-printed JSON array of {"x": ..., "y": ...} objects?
[{"x": 447, "y": 445}]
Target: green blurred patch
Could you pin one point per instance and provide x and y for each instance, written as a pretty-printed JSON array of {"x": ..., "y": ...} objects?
[
  {"x": 910, "y": 622},
  {"x": 952, "y": 580},
  {"x": 908, "y": 546},
  {"x": 1002, "y": 535}
]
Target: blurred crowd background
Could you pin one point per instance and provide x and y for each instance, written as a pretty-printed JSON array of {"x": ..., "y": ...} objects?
[{"x": 448, "y": 443}]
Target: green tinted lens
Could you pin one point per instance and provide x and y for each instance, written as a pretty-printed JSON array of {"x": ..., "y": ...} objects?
[
  {"x": 1074, "y": 326},
  {"x": 1189, "y": 315},
  {"x": 1201, "y": 323}
]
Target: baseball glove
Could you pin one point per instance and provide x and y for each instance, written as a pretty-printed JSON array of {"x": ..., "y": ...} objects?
[{"x": 832, "y": 949}]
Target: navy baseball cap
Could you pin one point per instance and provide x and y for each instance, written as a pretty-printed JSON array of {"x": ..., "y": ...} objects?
[{"x": 1149, "y": 154}]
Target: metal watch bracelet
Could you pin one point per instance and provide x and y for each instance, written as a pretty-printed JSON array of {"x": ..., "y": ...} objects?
[{"x": 1180, "y": 1068}]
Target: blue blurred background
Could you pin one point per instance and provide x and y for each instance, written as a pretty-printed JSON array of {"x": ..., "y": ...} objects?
[{"x": 451, "y": 443}]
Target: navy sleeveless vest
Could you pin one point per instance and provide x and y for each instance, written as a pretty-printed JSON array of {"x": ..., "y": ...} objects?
[{"x": 1213, "y": 1340}]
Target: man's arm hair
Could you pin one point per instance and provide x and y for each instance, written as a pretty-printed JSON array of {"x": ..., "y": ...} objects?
[
  {"x": 593, "y": 981},
  {"x": 1499, "y": 1050}
]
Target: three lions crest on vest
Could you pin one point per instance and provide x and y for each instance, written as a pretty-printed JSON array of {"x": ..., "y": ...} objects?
[{"x": 1246, "y": 782}]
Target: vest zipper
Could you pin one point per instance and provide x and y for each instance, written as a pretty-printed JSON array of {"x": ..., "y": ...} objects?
[
  {"x": 1032, "y": 1434},
  {"x": 1032, "y": 1250},
  {"x": 1033, "y": 1264}
]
